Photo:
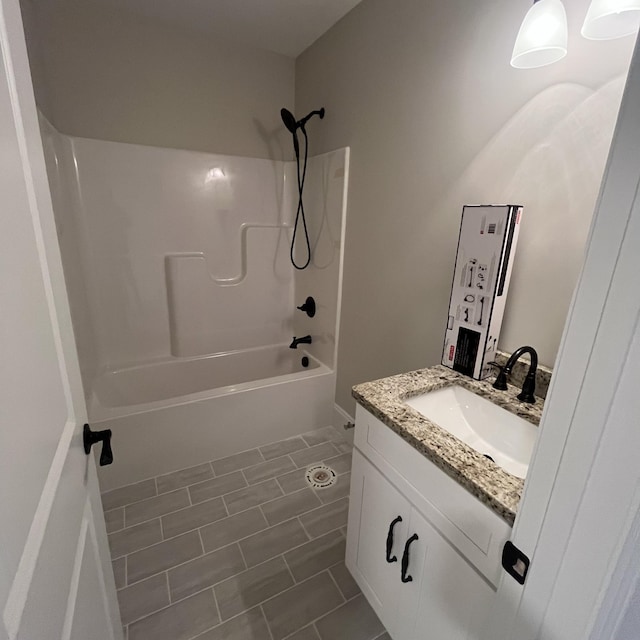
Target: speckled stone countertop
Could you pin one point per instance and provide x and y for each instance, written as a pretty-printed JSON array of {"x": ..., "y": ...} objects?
[{"x": 499, "y": 490}]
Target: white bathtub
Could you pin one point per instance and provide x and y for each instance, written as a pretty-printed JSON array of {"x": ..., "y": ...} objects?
[{"x": 184, "y": 411}]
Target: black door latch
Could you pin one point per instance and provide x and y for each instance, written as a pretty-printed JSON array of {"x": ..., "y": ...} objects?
[
  {"x": 514, "y": 562},
  {"x": 89, "y": 438}
]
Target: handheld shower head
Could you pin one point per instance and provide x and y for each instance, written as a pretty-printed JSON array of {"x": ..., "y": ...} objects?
[
  {"x": 292, "y": 124},
  {"x": 289, "y": 120}
]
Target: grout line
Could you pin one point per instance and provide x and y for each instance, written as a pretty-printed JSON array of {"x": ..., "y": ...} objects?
[
  {"x": 201, "y": 543},
  {"x": 266, "y": 622},
  {"x": 286, "y": 564},
  {"x": 310, "y": 622},
  {"x": 306, "y": 533},
  {"x": 344, "y": 598},
  {"x": 246, "y": 564},
  {"x": 126, "y": 572},
  {"x": 168, "y": 587},
  {"x": 215, "y": 601},
  {"x": 210, "y": 463}
]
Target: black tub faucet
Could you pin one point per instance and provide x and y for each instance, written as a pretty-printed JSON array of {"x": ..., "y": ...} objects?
[
  {"x": 296, "y": 341},
  {"x": 529, "y": 385}
]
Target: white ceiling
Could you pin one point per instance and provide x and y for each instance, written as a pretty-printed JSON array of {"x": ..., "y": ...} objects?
[{"x": 284, "y": 26}]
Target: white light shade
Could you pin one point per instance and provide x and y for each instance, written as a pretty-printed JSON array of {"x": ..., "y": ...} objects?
[
  {"x": 542, "y": 38},
  {"x": 608, "y": 19}
]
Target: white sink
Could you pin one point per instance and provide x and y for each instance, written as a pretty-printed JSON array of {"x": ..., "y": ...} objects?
[{"x": 482, "y": 425}]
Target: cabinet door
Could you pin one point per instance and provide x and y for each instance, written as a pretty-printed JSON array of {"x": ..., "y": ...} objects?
[
  {"x": 374, "y": 505},
  {"x": 446, "y": 598}
]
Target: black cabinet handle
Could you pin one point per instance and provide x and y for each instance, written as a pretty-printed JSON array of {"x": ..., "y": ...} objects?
[
  {"x": 405, "y": 559},
  {"x": 391, "y": 558},
  {"x": 89, "y": 438}
]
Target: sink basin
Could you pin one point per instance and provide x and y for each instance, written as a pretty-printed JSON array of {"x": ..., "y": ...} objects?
[{"x": 489, "y": 429}]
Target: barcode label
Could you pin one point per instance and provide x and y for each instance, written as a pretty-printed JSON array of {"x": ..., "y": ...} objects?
[{"x": 491, "y": 228}]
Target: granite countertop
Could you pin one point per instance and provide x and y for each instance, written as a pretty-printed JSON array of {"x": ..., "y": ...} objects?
[{"x": 499, "y": 490}]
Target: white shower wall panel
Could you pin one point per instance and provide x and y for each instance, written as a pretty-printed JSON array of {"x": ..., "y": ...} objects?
[
  {"x": 256, "y": 311},
  {"x": 137, "y": 205},
  {"x": 73, "y": 248}
]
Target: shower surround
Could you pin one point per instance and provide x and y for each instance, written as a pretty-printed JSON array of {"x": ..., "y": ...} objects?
[{"x": 183, "y": 296}]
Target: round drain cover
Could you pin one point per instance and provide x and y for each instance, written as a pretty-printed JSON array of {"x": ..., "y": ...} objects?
[{"x": 320, "y": 476}]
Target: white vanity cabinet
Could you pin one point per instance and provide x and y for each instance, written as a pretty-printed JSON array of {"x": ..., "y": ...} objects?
[{"x": 453, "y": 563}]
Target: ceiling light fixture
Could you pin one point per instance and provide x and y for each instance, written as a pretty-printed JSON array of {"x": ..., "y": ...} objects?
[
  {"x": 609, "y": 19},
  {"x": 542, "y": 38}
]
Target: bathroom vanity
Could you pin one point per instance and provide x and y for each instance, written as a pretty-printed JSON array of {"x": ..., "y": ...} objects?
[{"x": 428, "y": 514}]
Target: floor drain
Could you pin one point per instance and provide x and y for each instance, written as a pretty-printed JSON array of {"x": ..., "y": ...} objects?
[{"x": 320, "y": 476}]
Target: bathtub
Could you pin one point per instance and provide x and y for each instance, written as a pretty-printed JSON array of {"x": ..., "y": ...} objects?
[{"x": 180, "y": 412}]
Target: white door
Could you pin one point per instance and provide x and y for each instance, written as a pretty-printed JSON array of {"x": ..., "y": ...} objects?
[
  {"x": 55, "y": 577},
  {"x": 583, "y": 488}
]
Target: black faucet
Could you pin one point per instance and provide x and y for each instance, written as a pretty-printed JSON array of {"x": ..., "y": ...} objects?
[
  {"x": 529, "y": 385},
  {"x": 296, "y": 341}
]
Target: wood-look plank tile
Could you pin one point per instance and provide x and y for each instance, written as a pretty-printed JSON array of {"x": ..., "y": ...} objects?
[
  {"x": 270, "y": 469},
  {"x": 289, "y": 506},
  {"x": 326, "y": 518},
  {"x": 120, "y": 572},
  {"x": 114, "y": 519},
  {"x": 143, "y": 598},
  {"x": 272, "y": 542},
  {"x": 315, "y": 556},
  {"x": 126, "y": 495},
  {"x": 320, "y": 452},
  {"x": 184, "y": 477},
  {"x": 237, "y": 461},
  {"x": 205, "y": 571},
  {"x": 252, "y": 587},
  {"x": 228, "y": 530},
  {"x": 345, "y": 581},
  {"x": 249, "y": 625},
  {"x": 157, "y": 506},
  {"x": 217, "y": 487},
  {"x": 300, "y": 605},
  {"x": 180, "y": 621},
  {"x": 354, "y": 620},
  {"x": 317, "y": 436},
  {"x": 252, "y": 496},
  {"x": 193, "y": 517},
  {"x": 163, "y": 556},
  {"x": 340, "y": 464},
  {"x": 134, "y": 538},
  {"x": 293, "y": 481},
  {"x": 308, "y": 633},
  {"x": 281, "y": 448}
]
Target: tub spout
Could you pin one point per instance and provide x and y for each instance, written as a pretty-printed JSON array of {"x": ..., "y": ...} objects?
[{"x": 296, "y": 341}]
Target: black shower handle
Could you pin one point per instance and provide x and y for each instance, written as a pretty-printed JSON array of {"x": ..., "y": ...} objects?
[
  {"x": 389, "y": 557},
  {"x": 405, "y": 559},
  {"x": 309, "y": 307},
  {"x": 89, "y": 438}
]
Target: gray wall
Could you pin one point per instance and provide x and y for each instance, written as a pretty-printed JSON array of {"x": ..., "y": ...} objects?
[
  {"x": 423, "y": 93},
  {"x": 120, "y": 77}
]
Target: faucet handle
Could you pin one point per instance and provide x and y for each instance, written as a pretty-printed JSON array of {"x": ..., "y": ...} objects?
[{"x": 501, "y": 379}]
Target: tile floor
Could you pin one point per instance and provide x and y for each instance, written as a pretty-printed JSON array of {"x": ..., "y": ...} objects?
[{"x": 240, "y": 548}]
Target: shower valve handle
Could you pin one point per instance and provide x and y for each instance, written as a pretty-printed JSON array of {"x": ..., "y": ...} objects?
[
  {"x": 89, "y": 438},
  {"x": 309, "y": 307}
]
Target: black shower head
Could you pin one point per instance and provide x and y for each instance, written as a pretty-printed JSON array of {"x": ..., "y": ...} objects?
[
  {"x": 289, "y": 120},
  {"x": 292, "y": 124}
]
